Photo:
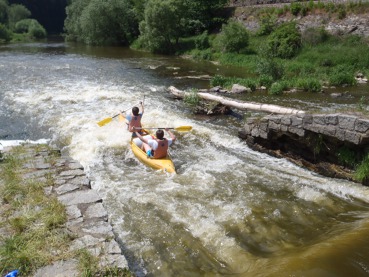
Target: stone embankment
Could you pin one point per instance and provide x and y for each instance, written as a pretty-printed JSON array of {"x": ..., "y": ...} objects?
[
  {"x": 320, "y": 142},
  {"x": 351, "y": 23},
  {"x": 87, "y": 218}
]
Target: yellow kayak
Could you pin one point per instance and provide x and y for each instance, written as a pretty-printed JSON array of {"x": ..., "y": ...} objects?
[{"x": 166, "y": 164}]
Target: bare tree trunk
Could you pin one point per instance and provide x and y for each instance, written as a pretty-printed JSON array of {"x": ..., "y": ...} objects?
[{"x": 237, "y": 104}]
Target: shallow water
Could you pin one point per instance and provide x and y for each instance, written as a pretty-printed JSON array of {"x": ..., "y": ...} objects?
[{"x": 228, "y": 211}]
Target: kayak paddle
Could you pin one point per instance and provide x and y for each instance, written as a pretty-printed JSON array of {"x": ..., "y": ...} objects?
[
  {"x": 179, "y": 129},
  {"x": 109, "y": 119}
]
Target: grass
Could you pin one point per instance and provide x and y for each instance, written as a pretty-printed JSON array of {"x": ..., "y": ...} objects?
[
  {"x": 322, "y": 60},
  {"x": 33, "y": 224},
  {"x": 33, "y": 220}
]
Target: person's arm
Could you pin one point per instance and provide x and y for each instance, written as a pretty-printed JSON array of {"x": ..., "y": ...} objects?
[
  {"x": 141, "y": 137},
  {"x": 173, "y": 137}
]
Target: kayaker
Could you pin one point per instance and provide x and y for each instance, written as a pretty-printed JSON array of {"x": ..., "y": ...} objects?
[
  {"x": 134, "y": 120},
  {"x": 156, "y": 147}
]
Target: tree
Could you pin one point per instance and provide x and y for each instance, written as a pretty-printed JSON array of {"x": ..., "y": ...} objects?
[
  {"x": 4, "y": 12},
  {"x": 233, "y": 38},
  {"x": 101, "y": 22},
  {"x": 285, "y": 41},
  {"x": 72, "y": 24},
  {"x": 163, "y": 25},
  {"x": 5, "y": 34},
  {"x": 203, "y": 14},
  {"x": 32, "y": 27},
  {"x": 49, "y": 13},
  {"x": 16, "y": 13}
]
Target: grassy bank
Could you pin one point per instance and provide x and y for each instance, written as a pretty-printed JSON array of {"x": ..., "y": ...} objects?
[
  {"x": 281, "y": 59},
  {"x": 32, "y": 225}
]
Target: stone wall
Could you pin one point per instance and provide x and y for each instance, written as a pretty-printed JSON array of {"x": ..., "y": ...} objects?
[
  {"x": 357, "y": 24},
  {"x": 315, "y": 141},
  {"x": 87, "y": 218}
]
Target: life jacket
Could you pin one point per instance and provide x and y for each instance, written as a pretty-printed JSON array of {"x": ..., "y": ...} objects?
[
  {"x": 135, "y": 122},
  {"x": 162, "y": 150}
]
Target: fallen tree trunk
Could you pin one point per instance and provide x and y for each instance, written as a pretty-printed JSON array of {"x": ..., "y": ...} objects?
[{"x": 238, "y": 105}]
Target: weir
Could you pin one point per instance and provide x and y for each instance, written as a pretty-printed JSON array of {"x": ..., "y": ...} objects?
[{"x": 316, "y": 141}]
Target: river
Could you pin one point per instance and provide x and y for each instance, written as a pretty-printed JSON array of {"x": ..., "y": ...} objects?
[{"x": 228, "y": 211}]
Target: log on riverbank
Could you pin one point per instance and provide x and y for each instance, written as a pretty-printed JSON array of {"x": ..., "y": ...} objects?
[{"x": 275, "y": 109}]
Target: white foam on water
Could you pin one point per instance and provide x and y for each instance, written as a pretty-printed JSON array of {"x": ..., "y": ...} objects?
[
  {"x": 10, "y": 143},
  {"x": 220, "y": 181}
]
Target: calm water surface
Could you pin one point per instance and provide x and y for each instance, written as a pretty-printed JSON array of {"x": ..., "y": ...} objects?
[{"x": 228, "y": 211}]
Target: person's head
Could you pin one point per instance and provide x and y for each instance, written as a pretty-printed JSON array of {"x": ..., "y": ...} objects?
[
  {"x": 135, "y": 111},
  {"x": 160, "y": 134}
]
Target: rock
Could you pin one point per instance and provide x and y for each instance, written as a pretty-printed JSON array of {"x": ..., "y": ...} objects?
[
  {"x": 67, "y": 268},
  {"x": 236, "y": 88}
]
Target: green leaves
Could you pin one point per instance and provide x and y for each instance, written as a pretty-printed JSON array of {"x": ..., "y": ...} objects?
[
  {"x": 101, "y": 22},
  {"x": 233, "y": 38}
]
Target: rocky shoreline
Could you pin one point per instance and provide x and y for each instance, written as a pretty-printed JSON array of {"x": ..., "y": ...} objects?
[{"x": 87, "y": 219}]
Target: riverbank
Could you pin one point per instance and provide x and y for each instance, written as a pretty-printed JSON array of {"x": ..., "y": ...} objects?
[{"x": 72, "y": 237}]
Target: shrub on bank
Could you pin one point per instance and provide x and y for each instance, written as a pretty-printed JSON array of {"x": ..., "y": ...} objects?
[
  {"x": 285, "y": 41},
  {"x": 32, "y": 27},
  {"x": 277, "y": 88},
  {"x": 5, "y": 34},
  {"x": 234, "y": 38},
  {"x": 228, "y": 82},
  {"x": 309, "y": 84}
]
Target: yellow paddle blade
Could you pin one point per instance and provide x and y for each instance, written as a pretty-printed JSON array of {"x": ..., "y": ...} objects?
[
  {"x": 104, "y": 121},
  {"x": 183, "y": 128}
]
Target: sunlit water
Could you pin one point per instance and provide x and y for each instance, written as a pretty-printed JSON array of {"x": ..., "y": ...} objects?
[{"x": 228, "y": 211}]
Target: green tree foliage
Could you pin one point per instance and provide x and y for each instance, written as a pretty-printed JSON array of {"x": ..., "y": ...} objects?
[
  {"x": 101, "y": 22},
  {"x": 72, "y": 24},
  {"x": 163, "y": 25},
  {"x": 32, "y": 27},
  {"x": 139, "y": 9},
  {"x": 202, "y": 41},
  {"x": 5, "y": 34},
  {"x": 234, "y": 38},
  {"x": 4, "y": 12},
  {"x": 267, "y": 24},
  {"x": 17, "y": 13},
  {"x": 203, "y": 14},
  {"x": 285, "y": 41}
]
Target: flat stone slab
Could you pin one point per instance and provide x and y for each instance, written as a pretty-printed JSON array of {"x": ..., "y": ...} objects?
[
  {"x": 80, "y": 197},
  {"x": 59, "y": 269}
]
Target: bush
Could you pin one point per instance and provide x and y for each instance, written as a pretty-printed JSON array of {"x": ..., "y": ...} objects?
[
  {"x": 347, "y": 156},
  {"x": 362, "y": 171},
  {"x": 277, "y": 88},
  {"x": 295, "y": 8},
  {"x": 270, "y": 67},
  {"x": 309, "y": 84},
  {"x": 16, "y": 13},
  {"x": 267, "y": 25},
  {"x": 228, "y": 82},
  {"x": 37, "y": 31},
  {"x": 314, "y": 36},
  {"x": 218, "y": 80},
  {"x": 202, "y": 55},
  {"x": 202, "y": 41},
  {"x": 285, "y": 41},
  {"x": 192, "y": 98},
  {"x": 265, "y": 80},
  {"x": 341, "y": 78},
  {"x": 5, "y": 34},
  {"x": 32, "y": 27},
  {"x": 233, "y": 38}
]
